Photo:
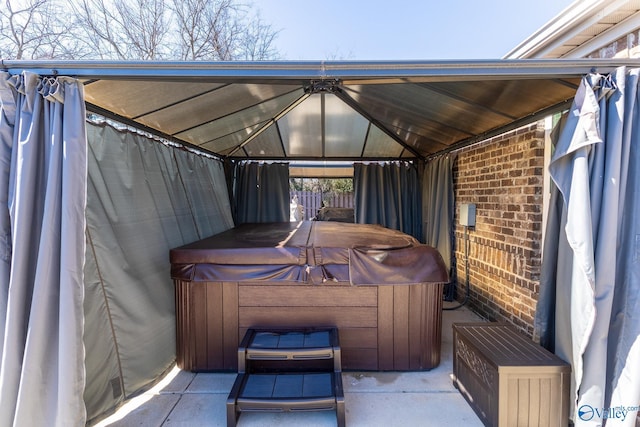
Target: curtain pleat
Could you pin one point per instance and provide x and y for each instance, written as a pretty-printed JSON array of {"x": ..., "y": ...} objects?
[
  {"x": 388, "y": 194},
  {"x": 7, "y": 120},
  {"x": 261, "y": 192},
  {"x": 589, "y": 305},
  {"x": 438, "y": 206},
  {"x": 204, "y": 184},
  {"x": 42, "y": 364}
]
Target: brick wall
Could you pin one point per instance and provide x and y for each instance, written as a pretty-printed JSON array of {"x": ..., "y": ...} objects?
[{"x": 504, "y": 178}]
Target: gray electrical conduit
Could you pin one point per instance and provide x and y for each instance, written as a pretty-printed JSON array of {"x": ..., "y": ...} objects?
[{"x": 466, "y": 266}]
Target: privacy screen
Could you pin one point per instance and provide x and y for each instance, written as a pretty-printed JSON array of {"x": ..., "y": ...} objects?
[{"x": 144, "y": 197}]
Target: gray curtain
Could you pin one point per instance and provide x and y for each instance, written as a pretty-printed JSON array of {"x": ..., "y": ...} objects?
[
  {"x": 592, "y": 274},
  {"x": 555, "y": 249},
  {"x": 144, "y": 198},
  {"x": 438, "y": 205},
  {"x": 388, "y": 194},
  {"x": 261, "y": 192},
  {"x": 43, "y": 192}
]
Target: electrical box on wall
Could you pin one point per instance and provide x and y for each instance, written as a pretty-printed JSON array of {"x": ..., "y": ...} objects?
[{"x": 468, "y": 214}]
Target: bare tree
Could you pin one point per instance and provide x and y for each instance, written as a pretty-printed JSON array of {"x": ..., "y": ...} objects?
[
  {"x": 258, "y": 40},
  {"x": 221, "y": 30},
  {"x": 146, "y": 27},
  {"x": 207, "y": 28},
  {"x": 134, "y": 29},
  {"x": 34, "y": 29},
  {"x": 124, "y": 29}
]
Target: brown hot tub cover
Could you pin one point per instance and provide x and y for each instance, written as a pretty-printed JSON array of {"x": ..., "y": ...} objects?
[{"x": 310, "y": 252}]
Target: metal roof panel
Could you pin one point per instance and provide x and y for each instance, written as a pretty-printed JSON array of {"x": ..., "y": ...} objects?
[{"x": 419, "y": 107}]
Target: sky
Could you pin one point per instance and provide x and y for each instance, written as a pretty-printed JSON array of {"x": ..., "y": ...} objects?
[{"x": 404, "y": 29}]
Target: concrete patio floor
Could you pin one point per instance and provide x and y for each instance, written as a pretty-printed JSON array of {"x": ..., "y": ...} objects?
[{"x": 383, "y": 399}]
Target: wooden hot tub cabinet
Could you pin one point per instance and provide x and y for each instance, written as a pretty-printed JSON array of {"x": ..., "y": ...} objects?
[{"x": 382, "y": 326}]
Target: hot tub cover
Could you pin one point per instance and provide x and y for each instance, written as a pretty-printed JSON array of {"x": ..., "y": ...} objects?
[{"x": 310, "y": 252}]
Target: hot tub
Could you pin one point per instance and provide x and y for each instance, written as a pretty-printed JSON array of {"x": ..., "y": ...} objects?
[{"x": 381, "y": 288}]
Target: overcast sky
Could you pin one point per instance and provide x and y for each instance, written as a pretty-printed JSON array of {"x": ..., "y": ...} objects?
[{"x": 404, "y": 29}]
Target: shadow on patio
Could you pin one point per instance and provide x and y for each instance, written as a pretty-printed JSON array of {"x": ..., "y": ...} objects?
[{"x": 372, "y": 398}]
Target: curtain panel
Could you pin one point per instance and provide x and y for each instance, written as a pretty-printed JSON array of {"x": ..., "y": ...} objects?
[
  {"x": 261, "y": 192},
  {"x": 589, "y": 305},
  {"x": 388, "y": 194},
  {"x": 438, "y": 206},
  {"x": 43, "y": 169},
  {"x": 143, "y": 199}
]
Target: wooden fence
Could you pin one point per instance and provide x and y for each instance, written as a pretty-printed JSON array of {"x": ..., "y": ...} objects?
[{"x": 313, "y": 201}]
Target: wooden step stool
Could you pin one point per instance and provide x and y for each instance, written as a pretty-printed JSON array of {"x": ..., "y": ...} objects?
[{"x": 288, "y": 370}]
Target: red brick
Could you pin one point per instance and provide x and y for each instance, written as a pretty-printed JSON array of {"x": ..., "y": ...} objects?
[{"x": 504, "y": 177}]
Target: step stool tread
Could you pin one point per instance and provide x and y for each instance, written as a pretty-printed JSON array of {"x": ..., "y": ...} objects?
[
  {"x": 286, "y": 385},
  {"x": 289, "y": 339},
  {"x": 289, "y": 344}
]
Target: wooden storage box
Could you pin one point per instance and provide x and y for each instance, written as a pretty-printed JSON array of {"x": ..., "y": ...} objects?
[{"x": 508, "y": 379}]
